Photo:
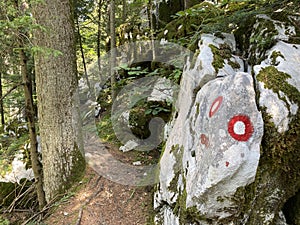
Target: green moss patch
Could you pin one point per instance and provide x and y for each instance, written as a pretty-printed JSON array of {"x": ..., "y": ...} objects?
[
  {"x": 220, "y": 54},
  {"x": 177, "y": 168},
  {"x": 283, "y": 149},
  {"x": 277, "y": 81},
  {"x": 274, "y": 56}
]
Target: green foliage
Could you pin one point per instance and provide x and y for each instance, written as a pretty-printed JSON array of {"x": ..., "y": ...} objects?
[
  {"x": 142, "y": 113},
  {"x": 18, "y": 143},
  {"x": 231, "y": 17},
  {"x": 133, "y": 72},
  {"x": 4, "y": 221},
  {"x": 262, "y": 40},
  {"x": 207, "y": 18},
  {"x": 106, "y": 131},
  {"x": 156, "y": 109},
  {"x": 16, "y": 27},
  {"x": 10, "y": 146},
  {"x": 187, "y": 25},
  {"x": 173, "y": 74},
  {"x": 84, "y": 9},
  {"x": 196, "y": 10}
]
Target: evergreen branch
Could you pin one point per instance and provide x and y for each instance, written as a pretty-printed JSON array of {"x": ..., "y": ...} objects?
[{"x": 10, "y": 90}]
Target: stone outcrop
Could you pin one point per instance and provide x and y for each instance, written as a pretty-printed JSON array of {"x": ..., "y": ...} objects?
[{"x": 232, "y": 156}]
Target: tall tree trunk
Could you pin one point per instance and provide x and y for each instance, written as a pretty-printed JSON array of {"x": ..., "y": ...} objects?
[
  {"x": 152, "y": 30},
  {"x": 99, "y": 35},
  {"x": 107, "y": 28},
  {"x": 56, "y": 79},
  {"x": 1, "y": 102},
  {"x": 124, "y": 11},
  {"x": 1, "y": 88},
  {"x": 30, "y": 115},
  {"x": 112, "y": 49},
  {"x": 82, "y": 55}
]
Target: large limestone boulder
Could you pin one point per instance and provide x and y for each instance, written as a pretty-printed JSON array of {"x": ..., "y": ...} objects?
[{"x": 232, "y": 156}]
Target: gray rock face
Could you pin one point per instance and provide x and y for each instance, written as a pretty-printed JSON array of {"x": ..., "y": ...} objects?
[
  {"x": 18, "y": 171},
  {"x": 214, "y": 149},
  {"x": 227, "y": 129},
  {"x": 282, "y": 58}
]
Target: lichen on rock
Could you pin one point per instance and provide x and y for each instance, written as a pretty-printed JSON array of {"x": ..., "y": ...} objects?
[{"x": 238, "y": 131}]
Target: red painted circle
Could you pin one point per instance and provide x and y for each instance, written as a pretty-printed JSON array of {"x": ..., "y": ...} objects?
[
  {"x": 204, "y": 140},
  {"x": 215, "y": 106},
  {"x": 247, "y": 126}
]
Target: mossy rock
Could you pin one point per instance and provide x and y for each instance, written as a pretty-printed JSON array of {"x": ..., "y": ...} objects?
[
  {"x": 139, "y": 122},
  {"x": 277, "y": 178},
  {"x": 220, "y": 55},
  {"x": 141, "y": 115}
]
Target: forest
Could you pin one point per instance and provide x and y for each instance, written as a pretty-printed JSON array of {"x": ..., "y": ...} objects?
[{"x": 109, "y": 110}]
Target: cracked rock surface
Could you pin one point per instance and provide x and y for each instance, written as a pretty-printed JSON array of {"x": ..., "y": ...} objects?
[{"x": 231, "y": 155}]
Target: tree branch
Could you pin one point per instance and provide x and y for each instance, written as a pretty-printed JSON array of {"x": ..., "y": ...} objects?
[{"x": 10, "y": 90}]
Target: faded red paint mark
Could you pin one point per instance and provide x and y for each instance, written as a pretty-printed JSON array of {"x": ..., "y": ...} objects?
[
  {"x": 215, "y": 105},
  {"x": 240, "y": 127},
  {"x": 204, "y": 140},
  {"x": 227, "y": 164}
]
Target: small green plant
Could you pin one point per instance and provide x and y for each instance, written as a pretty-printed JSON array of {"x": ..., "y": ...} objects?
[
  {"x": 176, "y": 75},
  {"x": 156, "y": 109},
  {"x": 133, "y": 71},
  {"x": 106, "y": 131},
  {"x": 4, "y": 221}
]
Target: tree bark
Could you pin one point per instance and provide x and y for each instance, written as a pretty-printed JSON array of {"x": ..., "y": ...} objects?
[
  {"x": 152, "y": 30},
  {"x": 1, "y": 103},
  {"x": 30, "y": 116},
  {"x": 112, "y": 49},
  {"x": 56, "y": 80},
  {"x": 99, "y": 35},
  {"x": 124, "y": 10},
  {"x": 82, "y": 55}
]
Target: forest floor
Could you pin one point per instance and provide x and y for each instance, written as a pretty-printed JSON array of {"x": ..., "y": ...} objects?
[
  {"x": 103, "y": 202},
  {"x": 99, "y": 201},
  {"x": 96, "y": 200}
]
